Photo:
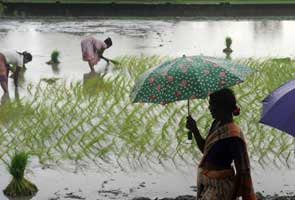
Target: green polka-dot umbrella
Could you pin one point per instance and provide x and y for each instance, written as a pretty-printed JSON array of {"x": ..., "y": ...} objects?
[{"x": 187, "y": 78}]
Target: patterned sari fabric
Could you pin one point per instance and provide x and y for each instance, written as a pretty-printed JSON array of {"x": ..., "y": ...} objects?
[
  {"x": 215, "y": 185},
  {"x": 92, "y": 49},
  {"x": 219, "y": 184},
  {"x": 3, "y": 68}
]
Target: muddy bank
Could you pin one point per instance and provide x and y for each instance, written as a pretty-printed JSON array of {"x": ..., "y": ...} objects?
[
  {"x": 189, "y": 197},
  {"x": 148, "y": 10},
  {"x": 185, "y": 197}
]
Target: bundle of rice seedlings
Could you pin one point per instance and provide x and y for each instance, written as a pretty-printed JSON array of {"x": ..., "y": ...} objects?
[
  {"x": 228, "y": 42},
  {"x": 54, "y": 57},
  {"x": 19, "y": 186}
]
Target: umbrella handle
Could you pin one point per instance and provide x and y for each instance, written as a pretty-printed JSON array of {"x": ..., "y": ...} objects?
[
  {"x": 189, "y": 134},
  {"x": 188, "y": 110}
]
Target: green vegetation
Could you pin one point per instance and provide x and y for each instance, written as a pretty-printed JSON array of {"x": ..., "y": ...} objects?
[
  {"x": 54, "y": 58},
  {"x": 94, "y": 120},
  {"x": 2, "y": 9},
  {"x": 19, "y": 186},
  {"x": 50, "y": 80},
  {"x": 228, "y": 42},
  {"x": 12, "y": 68},
  {"x": 228, "y": 50},
  {"x": 156, "y": 1}
]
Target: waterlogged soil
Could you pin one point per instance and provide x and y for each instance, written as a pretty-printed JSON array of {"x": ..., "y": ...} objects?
[
  {"x": 104, "y": 182},
  {"x": 164, "y": 37},
  {"x": 251, "y": 38},
  {"x": 189, "y": 197}
]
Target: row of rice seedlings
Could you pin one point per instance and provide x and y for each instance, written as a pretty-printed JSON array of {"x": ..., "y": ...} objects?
[
  {"x": 95, "y": 119},
  {"x": 264, "y": 141}
]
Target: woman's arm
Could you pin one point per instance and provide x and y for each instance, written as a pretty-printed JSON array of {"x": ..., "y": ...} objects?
[
  {"x": 192, "y": 126},
  {"x": 106, "y": 59},
  {"x": 238, "y": 152},
  {"x": 100, "y": 52},
  {"x": 237, "y": 181}
]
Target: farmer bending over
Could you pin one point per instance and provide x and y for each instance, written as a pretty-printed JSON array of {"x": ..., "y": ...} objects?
[
  {"x": 92, "y": 50},
  {"x": 10, "y": 60}
]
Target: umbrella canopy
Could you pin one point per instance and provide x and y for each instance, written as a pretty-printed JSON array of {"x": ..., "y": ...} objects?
[
  {"x": 187, "y": 78},
  {"x": 279, "y": 108}
]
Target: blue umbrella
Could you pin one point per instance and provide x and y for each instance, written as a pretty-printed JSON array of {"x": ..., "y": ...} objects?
[{"x": 279, "y": 108}]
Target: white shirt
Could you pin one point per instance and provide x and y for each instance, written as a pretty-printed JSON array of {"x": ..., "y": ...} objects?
[{"x": 13, "y": 58}]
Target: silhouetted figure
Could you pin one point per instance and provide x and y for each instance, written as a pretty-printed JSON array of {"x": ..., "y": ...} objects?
[{"x": 224, "y": 145}]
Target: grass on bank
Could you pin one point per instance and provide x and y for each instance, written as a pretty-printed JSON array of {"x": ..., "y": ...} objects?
[
  {"x": 94, "y": 120},
  {"x": 156, "y": 1}
]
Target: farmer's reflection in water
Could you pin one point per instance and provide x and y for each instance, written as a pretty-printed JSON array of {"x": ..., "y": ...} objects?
[
  {"x": 4, "y": 99},
  {"x": 224, "y": 171},
  {"x": 94, "y": 82},
  {"x": 55, "y": 68},
  {"x": 228, "y": 55}
]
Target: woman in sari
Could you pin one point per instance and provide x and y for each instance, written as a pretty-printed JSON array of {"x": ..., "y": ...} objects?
[
  {"x": 93, "y": 49},
  {"x": 224, "y": 171}
]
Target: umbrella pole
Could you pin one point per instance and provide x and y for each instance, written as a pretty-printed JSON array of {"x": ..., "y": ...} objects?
[
  {"x": 189, "y": 134},
  {"x": 188, "y": 111}
]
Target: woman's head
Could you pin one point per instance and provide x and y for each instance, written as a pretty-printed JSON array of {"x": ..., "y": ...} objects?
[
  {"x": 108, "y": 42},
  {"x": 222, "y": 104},
  {"x": 27, "y": 57}
]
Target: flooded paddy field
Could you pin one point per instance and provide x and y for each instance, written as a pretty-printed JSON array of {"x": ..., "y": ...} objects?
[
  {"x": 251, "y": 38},
  {"x": 86, "y": 138}
]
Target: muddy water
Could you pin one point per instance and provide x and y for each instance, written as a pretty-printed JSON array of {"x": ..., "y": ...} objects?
[
  {"x": 90, "y": 182},
  {"x": 260, "y": 38},
  {"x": 264, "y": 38}
]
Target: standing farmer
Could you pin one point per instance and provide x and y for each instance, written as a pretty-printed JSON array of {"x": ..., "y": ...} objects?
[
  {"x": 9, "y": 59},
  {"x": 224, "y": 145},
  {"x": 92, "y": 50}
]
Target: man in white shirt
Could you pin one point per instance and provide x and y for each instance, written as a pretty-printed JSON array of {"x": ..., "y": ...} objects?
[{"x": 8, "y": 59}]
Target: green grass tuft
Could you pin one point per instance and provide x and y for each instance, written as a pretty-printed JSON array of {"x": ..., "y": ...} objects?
[
  {"x": 18, "y": 165},
  {"x": 95, "y": 120},
  {"x": 228, "y": 42},
  {"x": 19, "y": 186},
  {"x": 54, "y": 57}
]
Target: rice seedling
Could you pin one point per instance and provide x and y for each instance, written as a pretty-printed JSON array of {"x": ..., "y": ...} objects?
[
  {"x": 19, "y": 186},
  {"x": 228, "y": 42},
  {"x": 54, "y": 58},
  {"x": 95, "y": 120},
  {"x": 228, "y": 50}
]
